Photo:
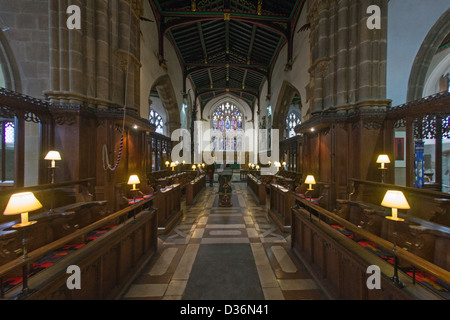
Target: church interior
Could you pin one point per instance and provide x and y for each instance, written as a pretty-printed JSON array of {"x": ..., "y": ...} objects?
[{"x": 225, "y": 150}]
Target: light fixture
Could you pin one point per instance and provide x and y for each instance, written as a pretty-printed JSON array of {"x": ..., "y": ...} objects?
[
  {"x": 257, "y": 167},
  {"x": 383, "y": 159},
  {"x": 194, "y": 167},
  {"x": 277, "y": 164},
  {"x": 22, "y": 203},
  {"x": 310, "y": 180},
  {"x": 173, "y": 165},
  {"x": 167, "y": 163},
  {"x": 395, "y": 200},
  {"x": 134, "y": 180},
  {"x": 284, "y": 164},
  {"x": 53, "y": 156}
]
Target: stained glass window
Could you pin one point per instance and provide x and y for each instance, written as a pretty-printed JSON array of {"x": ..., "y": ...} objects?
[
  {"x": 227, "y": 124},
  {"x": 7, "y": 157},
  {"x": 292, "y": 121},
  {"x": 157, "y": 120}
]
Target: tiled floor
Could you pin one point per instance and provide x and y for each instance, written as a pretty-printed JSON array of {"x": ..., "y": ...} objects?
[{"x": 281, "y": 275}]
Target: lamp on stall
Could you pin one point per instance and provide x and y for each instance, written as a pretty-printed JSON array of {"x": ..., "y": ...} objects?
[
  {"x": 134, "y": 180},
  {"x": 23, "y": 203},
  {"x": 167, "y": 164},
  {"x": 53, "y": 156},
  {"x": 194, "y": 167},
  {"x": 173, "y": 165},
  {"x": 310, "y": 180},
  {"x": 383, "y": 159},
  {"x": 395, "y": 200}
]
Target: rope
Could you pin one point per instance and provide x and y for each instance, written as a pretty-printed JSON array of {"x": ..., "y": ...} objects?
[{"x": 105, "y": 158}]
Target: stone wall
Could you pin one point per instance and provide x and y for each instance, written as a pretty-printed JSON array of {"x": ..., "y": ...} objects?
[{"x": 28, "y": 44}]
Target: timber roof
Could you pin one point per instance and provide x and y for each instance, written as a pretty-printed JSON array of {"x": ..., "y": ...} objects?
[{"x": 227, "y": 46}]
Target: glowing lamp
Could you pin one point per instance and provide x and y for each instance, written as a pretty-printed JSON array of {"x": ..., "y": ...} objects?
[
  {"x": 310, "y": 180},
  {"x": 53, "y": 156},
  {"x": 395, "y": 200},
  {"x": 22, "y": 203},
  {"x": 134, "y": 180},
  {"x": 383, "y": 159}
]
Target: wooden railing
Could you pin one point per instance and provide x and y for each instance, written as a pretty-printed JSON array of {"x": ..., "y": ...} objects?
[
  {"x": 123, "y": 220},
  {"x": 323, "y": 219}
]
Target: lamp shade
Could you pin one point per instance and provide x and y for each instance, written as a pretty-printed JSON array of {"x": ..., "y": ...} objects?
[
  {"x": 395, "y": 199},
  {"x": 22, "y": 203},
  {"x": 310, "y": 180},
  {"x": 383, "y": 158},
  {"x": 53, "y": 155},
  {"x": 134, "y": 179}
]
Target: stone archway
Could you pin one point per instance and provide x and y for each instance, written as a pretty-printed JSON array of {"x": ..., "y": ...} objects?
[
  {"x": 8, "y": 66},
  {"x": 163, "y": 85},
  {"x": 287, "y": 94},
  {"x": 426, "y": 52}
]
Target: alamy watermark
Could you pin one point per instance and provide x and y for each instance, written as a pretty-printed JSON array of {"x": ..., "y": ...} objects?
[{"x": 74, "y": 19}]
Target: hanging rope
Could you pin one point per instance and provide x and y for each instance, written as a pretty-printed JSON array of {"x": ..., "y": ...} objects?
[{"x": 105, "y": 158}]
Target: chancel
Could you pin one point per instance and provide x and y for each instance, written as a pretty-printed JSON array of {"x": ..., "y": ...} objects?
[{"x": 225, "y": 150}]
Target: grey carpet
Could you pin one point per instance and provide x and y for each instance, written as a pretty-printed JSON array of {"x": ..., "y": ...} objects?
[{"x": 224, "y": 272}]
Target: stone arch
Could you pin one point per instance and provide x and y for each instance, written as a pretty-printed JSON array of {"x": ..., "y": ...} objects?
[
  {"x": 163, "y": 86},
  {"x": 215, "y": 103},
  {"x": 287, "y": 94},
  {"x": 426, "y": 52},
  {"x": 8, "y": 65}
]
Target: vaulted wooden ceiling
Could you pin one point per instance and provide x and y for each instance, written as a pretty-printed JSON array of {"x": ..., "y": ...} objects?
[{"x": 227, "y": 46}]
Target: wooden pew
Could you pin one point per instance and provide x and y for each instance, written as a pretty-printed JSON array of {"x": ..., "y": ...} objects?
[
  {"x": 339, "y": 263},
  {"x": 281, "y": 202},
  {"x": 168, "y": 203},
  {"x": 425, "y": 204},
  {"x": 194, "y": 187},
  {"x": 258, "y": 188},
  {"x": 109, "y": 252},
  {"x": 425, "y": 239}
]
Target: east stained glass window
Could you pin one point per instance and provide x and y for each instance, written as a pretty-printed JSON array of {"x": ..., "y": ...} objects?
[
  {"x": 227, "y": 124},
  {"x": 157, "y": 121}
]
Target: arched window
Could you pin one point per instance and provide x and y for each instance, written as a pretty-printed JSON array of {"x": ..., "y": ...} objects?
[
  {"x": 157, "y": 120},
  {"x": 292, "y": 121},
  {"x": 7, "y": 162},
  {"x": 227, "y": 125}
]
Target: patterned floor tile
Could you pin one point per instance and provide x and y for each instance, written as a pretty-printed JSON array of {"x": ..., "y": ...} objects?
[{"x": 205, "y": 225}]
